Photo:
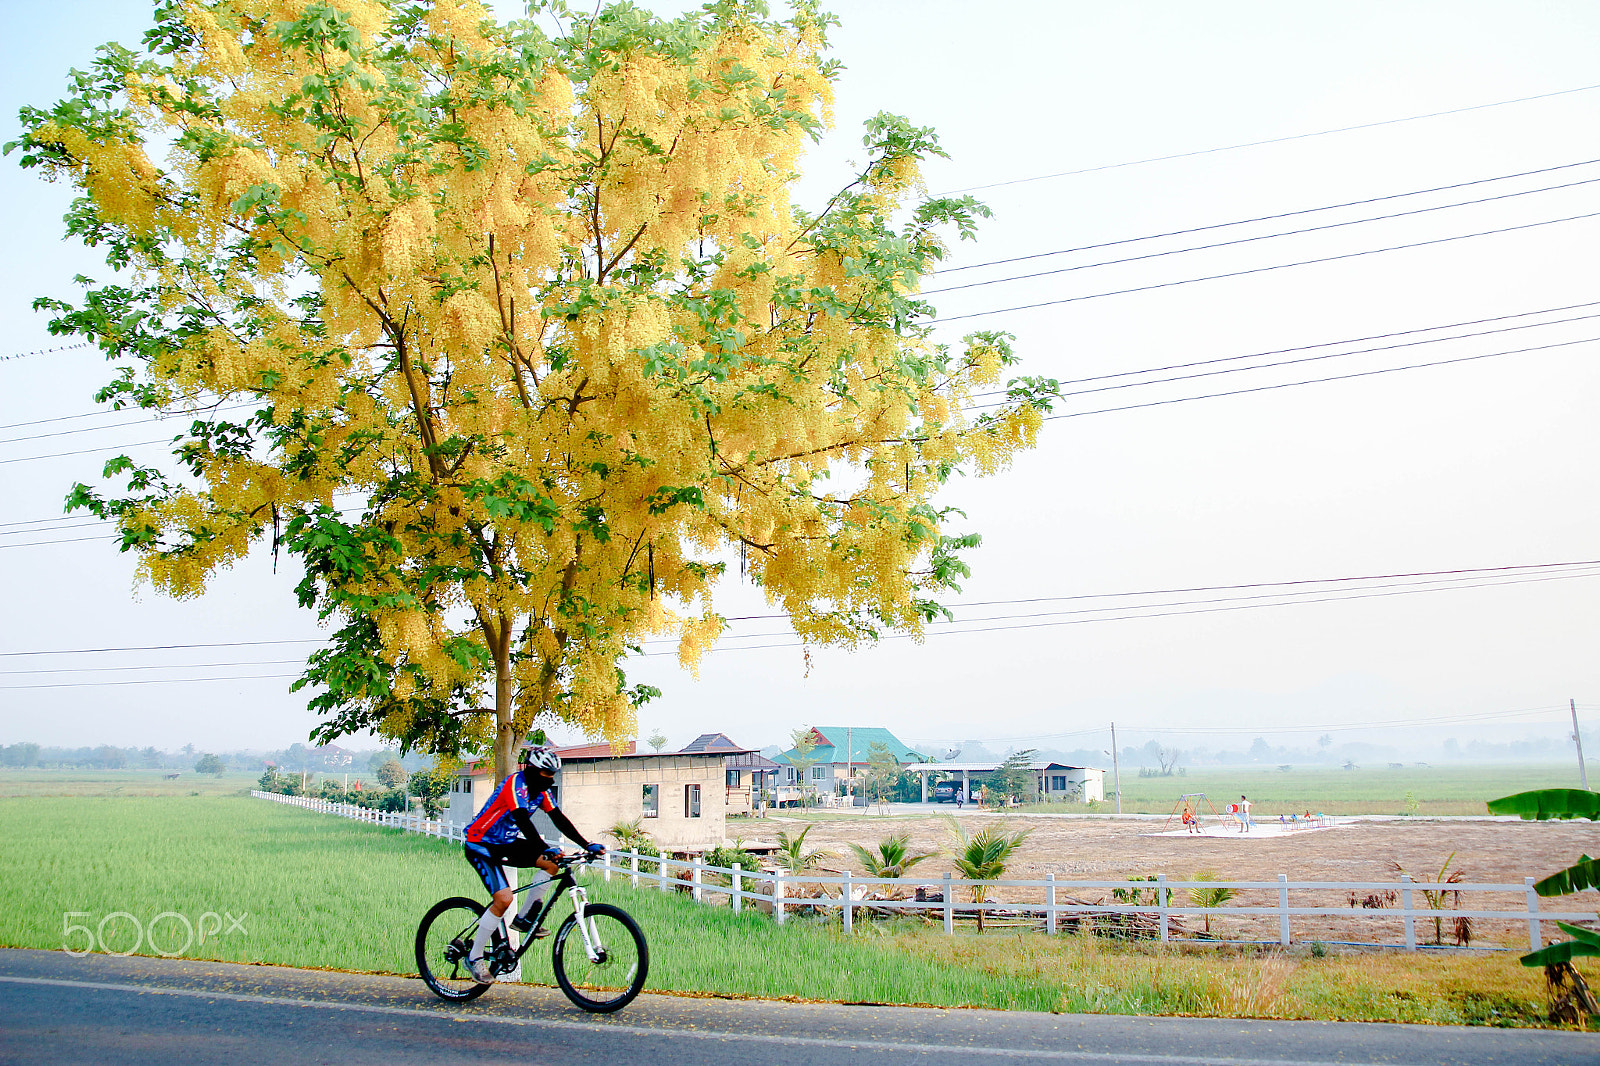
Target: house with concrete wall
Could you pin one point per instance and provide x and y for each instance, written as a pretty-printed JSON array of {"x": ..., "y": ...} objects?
[
  {"x": 681, "y": 797},
  {"x": 748, "y": 773}
]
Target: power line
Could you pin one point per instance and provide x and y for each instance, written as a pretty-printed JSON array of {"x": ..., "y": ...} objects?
[
  {"x": 91, "y": 451},
  {"x": 65, "y": 540},
  {"x": 131, "y": 422},
  {"x": 1466, "y": 572},
  {"x": 1513, "y": 570},
  {"x": 1284, "y": 599},
  {"x": 1319, "y": 381},
  {"x": 146, "y": 681},
  {"x": 1413, "y": 366},
  {"x": 1294, "y": 362},
  {"x": 1151, "y": 403},
  {"x": 44, "y": 351},
  {"x": 1157, "y": 614},
  {"x": 1324, "y": 344},
  {"x": 153, "y": 666},
  {"x": 242, "y": 406},
  {"x": 1260, "y": 270},
  {"x": 803, "y": 644},
  {"x": 1258, "y": 218},
  {"x": 1270, "y": 140},
  {"x": 159, "y": 647},
  {"x": 1248, "y": 240},
  {"x": 1071, "y": 381},
  {"x": 1243, "y": 730}
]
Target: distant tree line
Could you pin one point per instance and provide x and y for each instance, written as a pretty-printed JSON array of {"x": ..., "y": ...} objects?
[
  {"x": 296, "y": 757},
  {"x": 389, "y": 789}
]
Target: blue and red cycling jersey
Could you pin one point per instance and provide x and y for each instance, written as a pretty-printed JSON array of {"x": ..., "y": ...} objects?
[{"x": 495, "y": 824}]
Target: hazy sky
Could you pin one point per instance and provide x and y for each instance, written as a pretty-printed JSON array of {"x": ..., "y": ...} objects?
[{"x": 1480, "y": 464}]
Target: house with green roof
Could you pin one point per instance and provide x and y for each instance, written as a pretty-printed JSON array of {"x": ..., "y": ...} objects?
[{"x": 842, "y": 752}]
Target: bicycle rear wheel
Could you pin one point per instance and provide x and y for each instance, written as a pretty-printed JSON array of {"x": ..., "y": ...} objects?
[
  {"x": 443, "y": 939},
  {"x": 611, "y": 980}
]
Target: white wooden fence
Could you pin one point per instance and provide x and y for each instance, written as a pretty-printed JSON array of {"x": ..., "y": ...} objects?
[
  {"x": 411, "y": 821},
  {"x": 772, "y": 891}
]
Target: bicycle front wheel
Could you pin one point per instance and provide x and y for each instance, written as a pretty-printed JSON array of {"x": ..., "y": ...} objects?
[
  {"x": 609, "y": 979},
  {"x": 443, "y": 940}
]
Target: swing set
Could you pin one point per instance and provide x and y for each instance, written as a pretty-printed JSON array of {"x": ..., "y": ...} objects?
[{"x": 1183, "y": 800}]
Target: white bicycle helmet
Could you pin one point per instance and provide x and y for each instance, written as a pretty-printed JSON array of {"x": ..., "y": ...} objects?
[{"x": 542, "y": 759}]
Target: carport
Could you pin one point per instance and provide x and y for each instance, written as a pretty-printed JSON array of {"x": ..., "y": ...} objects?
[{"x": 1087, "y": 782}]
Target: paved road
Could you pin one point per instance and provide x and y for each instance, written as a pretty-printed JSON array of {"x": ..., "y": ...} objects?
[{"x": 59, "y": 1010}]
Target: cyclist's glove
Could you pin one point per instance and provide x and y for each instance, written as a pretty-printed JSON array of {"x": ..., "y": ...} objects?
[
  {"x": 596, "y": 849},
  {"x": 552, "y": 854}
]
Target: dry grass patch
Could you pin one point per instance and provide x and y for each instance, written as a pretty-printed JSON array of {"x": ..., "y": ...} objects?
[{"x": 1098, "y": 977}]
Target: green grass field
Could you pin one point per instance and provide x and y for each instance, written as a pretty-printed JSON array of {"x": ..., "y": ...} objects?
[
  {"x": 312, "y": 890},
  {"x": 1438, "y": 790},
  {"x": 320, "y": 891},
  {"x": 14, "y": 783}
]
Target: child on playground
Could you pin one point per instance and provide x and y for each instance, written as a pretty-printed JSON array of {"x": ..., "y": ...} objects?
[{"x": 1190, "y": 822}]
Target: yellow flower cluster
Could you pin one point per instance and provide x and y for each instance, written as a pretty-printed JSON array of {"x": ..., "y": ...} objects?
[{"x": 510, "y": 303}]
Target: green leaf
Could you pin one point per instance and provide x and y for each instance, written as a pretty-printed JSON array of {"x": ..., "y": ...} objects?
[
  {"x": 1566, "y": 951},
  {"x": 1585, "y": 873},
  {"x": 1582, "y": 934},
  {"x": 1546, "y": 803}
]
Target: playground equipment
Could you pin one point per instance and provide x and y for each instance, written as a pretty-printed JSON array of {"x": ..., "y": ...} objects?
[{"x": 1177, "y": 809}]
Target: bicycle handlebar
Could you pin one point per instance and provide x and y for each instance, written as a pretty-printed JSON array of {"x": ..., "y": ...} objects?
[{"x": 574, "y": 858}]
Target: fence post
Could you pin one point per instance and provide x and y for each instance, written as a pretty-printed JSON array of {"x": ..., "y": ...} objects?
[
  {"x": 694, "y": 879},
  {"x": 1283, "y": 909},
  {"x": 738, "y": 887},
  {"x": 949, "y": 905},
  {"x": 1535, "y": 935},
  {"x": 607, "y": 866},
  {"x": 634, "y": 862},
  {"x": 1050, "y": 904},
  {"x": 1405, "y": 905},
  {"x": 777, "y": 897},
  {"x": 661, "y": 868},
  {"x": 845, "y": 907},
  {"x": 1161, "y": 906}
]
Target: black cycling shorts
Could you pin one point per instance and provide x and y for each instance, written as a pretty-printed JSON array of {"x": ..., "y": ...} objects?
[{"x": 489, "y": 860}]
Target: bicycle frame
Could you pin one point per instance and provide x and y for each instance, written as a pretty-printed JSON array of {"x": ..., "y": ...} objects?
[{"x": 565, "y": 882}]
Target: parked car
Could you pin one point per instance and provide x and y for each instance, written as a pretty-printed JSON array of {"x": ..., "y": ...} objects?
[{"x": 947, "y": 791}]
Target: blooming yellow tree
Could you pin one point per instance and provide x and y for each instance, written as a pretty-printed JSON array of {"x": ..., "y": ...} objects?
[{"x": 511, "y": 338}]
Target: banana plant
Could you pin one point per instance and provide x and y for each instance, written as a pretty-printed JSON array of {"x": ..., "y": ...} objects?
[{"x": 1542, "y": 805}]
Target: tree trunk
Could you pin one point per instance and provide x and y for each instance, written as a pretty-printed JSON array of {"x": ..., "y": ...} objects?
[{"x": 505, "y": 735}]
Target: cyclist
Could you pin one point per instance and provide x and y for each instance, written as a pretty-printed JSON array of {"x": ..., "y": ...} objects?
[{"x": 503, "y": 834}]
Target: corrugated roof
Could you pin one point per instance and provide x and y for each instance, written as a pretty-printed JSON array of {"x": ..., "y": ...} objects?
[
  {"x": 852, "y": 744},
  {"x": 713, "y": 742}
]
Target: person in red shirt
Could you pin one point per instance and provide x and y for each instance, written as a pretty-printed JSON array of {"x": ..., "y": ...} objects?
[{"x": 503, "y": 834}]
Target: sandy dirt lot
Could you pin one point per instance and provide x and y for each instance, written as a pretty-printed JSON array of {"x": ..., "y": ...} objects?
[{"x": 1086, "y": 849}]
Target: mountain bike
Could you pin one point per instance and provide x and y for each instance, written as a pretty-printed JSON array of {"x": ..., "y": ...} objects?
[{"x": 598, "y": 954}]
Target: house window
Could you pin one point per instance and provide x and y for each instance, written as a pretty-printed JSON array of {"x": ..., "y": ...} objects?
[
  {"x": 820, "y": 773},
  {"x": 691, "y": 801},
  {"x": 652, "y": 801},
  {"x": 1058, "y": 784},
  {"x": 733, "y": 779}
]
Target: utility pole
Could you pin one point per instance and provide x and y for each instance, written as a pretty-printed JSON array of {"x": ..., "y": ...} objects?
[
  {"x": 849, "y": 769},
  {"x": 1116, "y": 768},
  {"x": 1583, "y": 773}
]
